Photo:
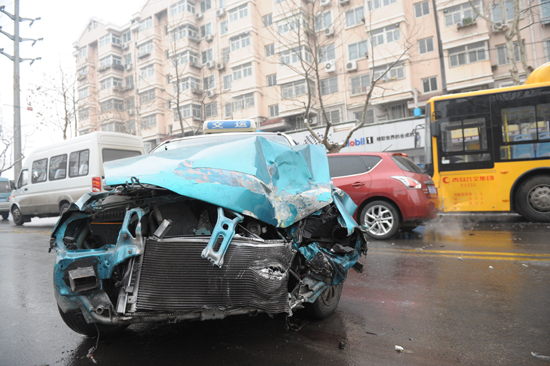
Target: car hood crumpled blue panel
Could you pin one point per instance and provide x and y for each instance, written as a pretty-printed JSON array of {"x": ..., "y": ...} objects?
[{"x": 274, "y": 183}]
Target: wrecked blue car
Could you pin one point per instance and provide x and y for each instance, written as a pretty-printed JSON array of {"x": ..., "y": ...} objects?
[{"x": 204, "y": 228}]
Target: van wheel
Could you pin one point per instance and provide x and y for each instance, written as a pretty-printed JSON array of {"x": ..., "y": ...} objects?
[
  {"x": 17, "y": 216},
  {"x": 381, "y": 219},
  {"x": 5, "y": 215},
  {"x": 64, "y": 207},
  {"x": 533, "y": 199}
]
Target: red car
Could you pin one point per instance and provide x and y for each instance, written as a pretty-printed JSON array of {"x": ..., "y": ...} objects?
[{"x": 390, "y": 190}]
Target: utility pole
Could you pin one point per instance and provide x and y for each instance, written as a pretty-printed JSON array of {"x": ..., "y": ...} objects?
[{"x": 16, "y": 87}]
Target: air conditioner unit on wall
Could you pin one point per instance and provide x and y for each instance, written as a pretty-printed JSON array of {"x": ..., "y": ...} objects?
[
  {"x": 329, "y": 31},
  {"x": 198, "y": 16},
  {"x": 499, "y": 27},
  {"x": 209, "y": 38},
  {"x": 351, "y": 66},
  {"x": 220, "y": 66},
  {"x": 344, "y": 2},
  {"x": 325, "y": 2},
  {"x": 220, "y": 12},
  {"x": 128, "y": 67},
  {"x": 210, "y": 93},
  {"x": 210, "y": 64},
  {"x": 125, "y": 46},
  {"x": 330, "y": 66}
]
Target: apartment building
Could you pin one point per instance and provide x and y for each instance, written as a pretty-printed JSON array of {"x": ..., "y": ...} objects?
[{"x": 178, "y": 63}]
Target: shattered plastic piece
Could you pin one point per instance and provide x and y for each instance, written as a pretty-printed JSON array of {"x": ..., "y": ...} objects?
[
  {"x": 534, "y": 354},
  {"x": 525, "y": 265},
  {"x": 490, "y": 267},
  {"x": 460, "y": 258},
  {"x": 342, "y": 345},
  {"x": 399, "y": 348}
]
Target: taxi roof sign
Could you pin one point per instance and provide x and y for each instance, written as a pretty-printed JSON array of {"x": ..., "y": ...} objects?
[{"x": 240, "y": 125}]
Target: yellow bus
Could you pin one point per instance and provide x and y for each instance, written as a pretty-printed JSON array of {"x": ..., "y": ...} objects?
[{"x": 490, "y": 150}]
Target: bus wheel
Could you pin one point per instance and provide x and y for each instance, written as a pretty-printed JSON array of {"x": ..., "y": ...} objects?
[{"x": 533, "y": 199}]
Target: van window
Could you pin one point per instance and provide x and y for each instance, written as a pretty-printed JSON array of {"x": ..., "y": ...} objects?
[
  {"x": 114, "y": 154},
  {"x": 79, "y": 163},
  {"x": 341, "y": 166},
  {"x": 5, "y": 186},
  {"x": 58, "y": 167},
  {"x": 23, "y": 178},
  {"x": 39, "y": 170}
]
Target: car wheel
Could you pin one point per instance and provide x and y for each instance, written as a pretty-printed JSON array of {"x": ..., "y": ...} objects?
[
  {"x": 17, "y": 216},
  {"x": 533, "y": 199},
  {"x": 64, "y": 207},
  {"x": 75, "y": 320},
  {"x": 326, "y": 303},
  {"x": 5, "y": 215},
  {"x": 381, "y": 219}
]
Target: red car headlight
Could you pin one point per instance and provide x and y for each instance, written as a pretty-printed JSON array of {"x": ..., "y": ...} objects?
[{"x": 408, "y": 182}]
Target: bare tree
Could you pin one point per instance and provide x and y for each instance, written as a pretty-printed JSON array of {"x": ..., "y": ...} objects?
[
  {"x": 57, "y": 100},
  {"x": 510, "y": 29},
  {"x": 309, "y": 41}
]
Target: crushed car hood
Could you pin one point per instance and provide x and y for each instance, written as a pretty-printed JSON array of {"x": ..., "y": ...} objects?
[{"x": 271, "y": 182}]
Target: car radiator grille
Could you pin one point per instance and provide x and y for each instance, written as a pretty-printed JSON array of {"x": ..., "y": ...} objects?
[{"x": 174, "y": 277}]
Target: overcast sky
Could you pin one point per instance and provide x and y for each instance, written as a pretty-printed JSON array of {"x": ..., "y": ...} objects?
[{"x": 62, "y": 23}]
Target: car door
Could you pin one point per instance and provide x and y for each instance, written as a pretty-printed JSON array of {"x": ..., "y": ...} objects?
[{"x": 349, "y": 173}]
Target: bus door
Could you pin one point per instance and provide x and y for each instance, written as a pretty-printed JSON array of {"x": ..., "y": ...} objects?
[{"x": 467, "y": 179}]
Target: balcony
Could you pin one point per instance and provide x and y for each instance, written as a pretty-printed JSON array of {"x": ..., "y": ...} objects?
[{"x": 466, "y": 22}]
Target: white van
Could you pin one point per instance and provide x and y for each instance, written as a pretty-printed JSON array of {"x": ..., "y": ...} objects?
[{"x": 55, "y": 176}]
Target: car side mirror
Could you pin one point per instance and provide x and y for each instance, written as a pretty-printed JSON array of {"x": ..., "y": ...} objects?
[{"x": 435, "y": 128}]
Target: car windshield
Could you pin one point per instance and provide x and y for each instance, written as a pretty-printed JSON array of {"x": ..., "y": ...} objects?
[
  {"x": 5, "y": 187},
  {"x": 407, "y": 164},
  {"x": 217, "y": 138}
]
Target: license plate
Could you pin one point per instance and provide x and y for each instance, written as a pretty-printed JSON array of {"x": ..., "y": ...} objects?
[
  {"x": 431, "y": 189},
  {"x": 3, "y": 200}
]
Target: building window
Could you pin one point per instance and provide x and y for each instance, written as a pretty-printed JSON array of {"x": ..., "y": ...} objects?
[
  {"x": 385, "y": 35},
  {"x": 469, "y": 54},
  {"x": 184, "y": 57},
  {"x": 83, "y": 113},
  {"x": 147, "y": 71},
  {"x": 110, "y": 83},
  {"x": 111, "y": 105},
  {"x": 242, "y": 71},
  {"x": 126, "y": 37},
  {"x": 227, "y": 82},
  {"x": 270, "y": 50},
  {"x": 358, "y": 50},
  {"x": 181, "y": 7},
  {"x": 545, "y": 11},
  {"x": 228, "y": 110},
  {"x": 455, "y": 14},
  {"x": 333, "y": 116},
  {"x": 145, "y": 48},
  {"x": 323, "y": 21},
  {"x": 327, "y": 53},
  {"x": 375, "y": 4},
  {"x": 295, "y": 55},
  {"x": 238, "y": 13},
  {"x": 225, "y": 55},
  {"x": 397, "y": 111},
  {"x": 369, "y": 116},
  {"x": 209, "y": 82},
  {"x": 273, "y": 110},
  {"x": 83, "y": 93},
  {"x": 267, "y": 20},
  {"x": 206, "y": 5},
  {"x": 129, "y": 81},
  {"x": 129, "y": 104},
  {"x": 131, "y": 127},
  {"x": 290, "y": 24},
  {"x": 127, "y": 59},
  {"x": 147, "y": 97},
  {"x": 145, "y": 24},
  {"x": 240, "y": 41},
  {"x": 360, "y": 84},
  {"x": 243, "y": 102},
  {"x": 207, "y": 56},
  {"x": 206, "y": 30},
  {"x": 184, "y": 31},
  {"x": 92, "y": 25},
  {"x": 395, "y": 73},
  {"x": 547, "y": 48},
  {"x": 82, "y": 52},
  {"x": 112, "y": 127},
  {"x": 185, "y": 84},
  {"x": 83, "y": 71},
  {"x": 211, "y": 109},
  {"x": 355, "y": 16},
  {"x": 502, "y": 54},
  {"x": 223, "y": 28},
  {"x": 425, "y": 45},
  {"x": 429, "y": 84},
  {"x": 296, "y": 89},
  {"x": 508, "y": 9},
  {"x": 149, "y": 121},
  {"x": 329, "y": 86},
  {"x": 272, "y": 80},
  {"x": 109, "y": 61},
  {"x": 109, "y": 38},
  {"x": 421, "y": 9},
  {"x": 189, "y": 110}
]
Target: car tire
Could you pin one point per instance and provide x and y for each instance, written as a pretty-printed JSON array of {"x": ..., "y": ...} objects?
[
  {"x": 326, "y": 303},
  {"x": 5, "y": 215},
  {"x": 381, "y": 218},
  {"x": 17, "y": 216},
  {"x": 64, "y": 207},
  {"x": 533, "y": 199},
  {"x": 75, "y": 320}
]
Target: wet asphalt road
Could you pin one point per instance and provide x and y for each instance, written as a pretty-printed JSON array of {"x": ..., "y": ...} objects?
[{"x": 472, "y": 290}]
